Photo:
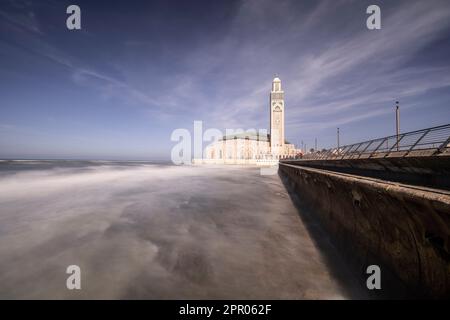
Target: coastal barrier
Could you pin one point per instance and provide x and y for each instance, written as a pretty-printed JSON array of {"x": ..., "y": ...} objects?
[
  {"x": 404, "y": 229},
  {"x": 428, "y": 171}
]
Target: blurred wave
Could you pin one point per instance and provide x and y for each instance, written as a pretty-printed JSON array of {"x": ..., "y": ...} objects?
[{"x": 144, "y": 230}]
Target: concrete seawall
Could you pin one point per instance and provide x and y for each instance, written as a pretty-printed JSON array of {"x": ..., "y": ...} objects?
[
  {"x": 402, "y": 228},
  {"x": 418, "y": 170}
]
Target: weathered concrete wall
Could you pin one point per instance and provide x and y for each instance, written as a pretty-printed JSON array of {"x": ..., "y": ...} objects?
[
  {"x": 404, "y": 228},
  {"x": 432, "y": 171}
]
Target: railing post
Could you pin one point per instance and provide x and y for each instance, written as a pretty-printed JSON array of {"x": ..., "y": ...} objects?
[
  {"x": 356, "y": 149},
  {"x": 330, "y": 153},
  {"x": 443, "y": 146},
  {"x": 396, "y": 144},
  {"x": 368, "y": 145},
  {"x": 381, "y": 143},
  {"x": 417, "y": 141},
  {"x": 347, "y": 149}
]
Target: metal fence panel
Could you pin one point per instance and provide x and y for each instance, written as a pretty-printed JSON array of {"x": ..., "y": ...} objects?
[{"x": 436, "y": 139}]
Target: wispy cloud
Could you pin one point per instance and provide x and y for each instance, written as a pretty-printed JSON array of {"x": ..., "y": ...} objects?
[
  {"x": 363, "y": 68},
  {"x": 348, "y": 71},
  {"x": 182, "y": 68},
  {"x": 6, "y": 127}
]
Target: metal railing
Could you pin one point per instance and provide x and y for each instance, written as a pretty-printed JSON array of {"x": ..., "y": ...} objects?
[{"x": 435, "y": 140}]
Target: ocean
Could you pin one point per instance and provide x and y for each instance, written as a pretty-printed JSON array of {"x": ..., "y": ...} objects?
[{"x": 143, "y": 230}]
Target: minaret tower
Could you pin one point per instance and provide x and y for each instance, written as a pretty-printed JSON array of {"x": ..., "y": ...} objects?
[{"x": 276, "y": 117}]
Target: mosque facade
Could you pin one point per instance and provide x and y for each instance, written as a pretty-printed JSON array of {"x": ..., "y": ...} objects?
[{"x": 256, "y": 147}]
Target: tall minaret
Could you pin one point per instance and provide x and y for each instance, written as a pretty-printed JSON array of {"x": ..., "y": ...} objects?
[{"x": 276, "y": 117}]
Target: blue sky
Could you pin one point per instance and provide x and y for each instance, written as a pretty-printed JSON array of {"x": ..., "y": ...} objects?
[{"x": 140, "y": 69}]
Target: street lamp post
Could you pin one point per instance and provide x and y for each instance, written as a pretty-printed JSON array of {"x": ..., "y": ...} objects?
[
  {"x": 338, "y": 140},
  {"x": 397, "y": 122}
]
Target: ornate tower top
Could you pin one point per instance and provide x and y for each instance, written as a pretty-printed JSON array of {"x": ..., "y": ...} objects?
[{"x": 276, "y": 84}]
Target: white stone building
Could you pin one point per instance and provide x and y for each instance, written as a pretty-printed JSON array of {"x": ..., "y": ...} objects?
[{"x": 254, "y": 147}]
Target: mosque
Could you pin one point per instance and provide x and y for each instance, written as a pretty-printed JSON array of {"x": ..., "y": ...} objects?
[{"x": 255, "y": 147}]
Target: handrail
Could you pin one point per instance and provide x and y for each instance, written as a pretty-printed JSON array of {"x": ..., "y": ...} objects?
[{"x": 435, "y": 139}]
